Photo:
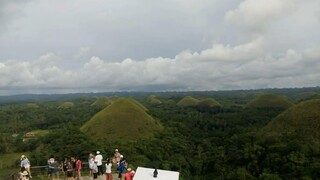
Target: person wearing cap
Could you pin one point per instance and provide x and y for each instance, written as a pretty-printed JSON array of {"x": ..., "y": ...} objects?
[
  {"x": 129, "y": 174},
  {"x": 116, "y": 156},
  {"x": 26, "y": 164},
  {"x": 99, "y": 159}
]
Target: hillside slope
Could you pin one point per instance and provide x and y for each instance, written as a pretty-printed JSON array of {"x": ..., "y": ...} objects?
[
  {"x": 125, "y": 119},
  {"x": 270, "y": 101},
  {"x": 301, "y": 122}
]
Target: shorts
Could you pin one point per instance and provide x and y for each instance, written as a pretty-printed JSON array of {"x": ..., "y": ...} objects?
[{"x": 69, "y": 174}]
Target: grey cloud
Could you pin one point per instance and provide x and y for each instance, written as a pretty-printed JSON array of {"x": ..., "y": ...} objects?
[
  {"x": 180, "y": 73},
  {"x": 158, "y": 45}
]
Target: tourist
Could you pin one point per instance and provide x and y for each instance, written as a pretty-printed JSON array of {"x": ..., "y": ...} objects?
[
  {"x": 116, "y": 156},
  {"x": 98, "y": 159},
  {"x": 91, "y": 163},
  {"x": 129, "y": 174},
  {"x": 69, "y": 171},
  {"x": 95, "y": 170},
  {"x": 108, "y": 170},
  {"x": 122, "y": 168},
  {"x": 24, "y": 162},
  {"x": 55, "y": 169},
  {"x": 78, "y": 168},
  {"x": 50, "y": 162}
]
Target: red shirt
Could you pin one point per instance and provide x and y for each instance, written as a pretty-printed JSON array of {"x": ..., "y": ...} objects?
[
  {"x": 129, "y": 175},
  {"x": 78, "y": 164}
]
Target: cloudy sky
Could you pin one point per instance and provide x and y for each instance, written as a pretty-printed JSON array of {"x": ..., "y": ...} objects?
[{"x": 66, "y": 46}]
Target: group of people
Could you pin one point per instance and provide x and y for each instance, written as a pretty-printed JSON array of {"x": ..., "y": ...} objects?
[
  {"x": 72, "y": 167},
  {"x": 95, "y": 166}
]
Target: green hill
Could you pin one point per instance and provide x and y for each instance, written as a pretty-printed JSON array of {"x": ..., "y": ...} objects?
[
  {"x": 188, "y": 101},
  {"x": 301, "y": 121},
  {"x": 66, "y": 105},
  {"x": 102, "y": 101},
  {"x": 154, "y": 100},
  {"x": 32, "y": 106},
  {"x": 270, "y": 101},
  {"x": 209, "y": 102},
  {"x": 125, "y": 119}
]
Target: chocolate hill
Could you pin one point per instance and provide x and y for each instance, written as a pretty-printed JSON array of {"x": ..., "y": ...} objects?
[{"x": 125, "y": 119}]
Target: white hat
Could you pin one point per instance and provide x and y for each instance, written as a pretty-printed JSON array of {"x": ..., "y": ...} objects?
[
  {"x": 116, "y": 150},
  {"x": 121, "y": 156},
  {"x": 23, "y": 156},
  {"x": 98, "y": 152},
  {"x": 129, "y": 169}
]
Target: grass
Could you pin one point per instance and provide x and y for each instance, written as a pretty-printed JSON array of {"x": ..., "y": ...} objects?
[
  {"x": 270, "y": 100},
  {"x": 188, "y": 101},
  {"x": 126, "y": 118},
  {"x": 301, "y": 121}
]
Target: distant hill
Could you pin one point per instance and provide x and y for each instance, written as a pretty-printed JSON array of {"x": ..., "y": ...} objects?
[
  {"x": 102, "y": 101},
  {"x": 66, "y": 105},
  {"x": 270, "y": 101},
  {"x": 301, "y": 121},
  {"x": 154, "y": 100},
  {"x": 209, "y": 102},
  {"x": 125, "y": 119},
  {"x": 188, "y": 101}
]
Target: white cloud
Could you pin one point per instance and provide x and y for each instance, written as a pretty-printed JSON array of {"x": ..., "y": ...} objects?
[
  {"x": 82, "y": 52},
  {"x": 96, "y": 45},
  {"x": 257, "y": 15},
  {"x": 187, "y": 71}
]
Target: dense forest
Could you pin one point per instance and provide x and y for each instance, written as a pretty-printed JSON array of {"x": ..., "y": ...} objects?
[{"x": 204, "y": 135}]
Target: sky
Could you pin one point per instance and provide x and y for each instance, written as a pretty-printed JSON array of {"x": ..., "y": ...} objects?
[{"x": 71, "y": 46}]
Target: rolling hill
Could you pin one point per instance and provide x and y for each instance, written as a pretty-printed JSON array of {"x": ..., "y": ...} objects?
[
  {"x": 270, "y": 101},
  {"x": 124, "y": 119},
  {"x": 102, "y": 101},
  {"x": 301, "y": 121},
  {"x": 188, "y": 101},
  {"x": 209, "y": 102}
]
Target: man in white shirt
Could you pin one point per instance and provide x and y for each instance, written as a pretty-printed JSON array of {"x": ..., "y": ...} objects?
[{"x": 98, "y": 159}]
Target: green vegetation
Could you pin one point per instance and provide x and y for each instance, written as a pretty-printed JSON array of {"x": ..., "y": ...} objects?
[{"x": 232, "y": 135}]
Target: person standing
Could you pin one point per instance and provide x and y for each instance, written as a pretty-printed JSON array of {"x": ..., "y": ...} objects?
[
  {"x": 78, "y": 168},
  {"x": 50, "y": 162},
  {"x": 24, "y": 162},
  {"x": 108, "y": 170},
  {"x": 95, "y": 170},
  {"x": 122, "y": 168},
  {"x": 129, "y": 174},
  {"x": 91, "y": 163},
  {"x": 55, "y": 169},
  {"x": 98, "y": 159},
  {"x": 69, "y": 170}
]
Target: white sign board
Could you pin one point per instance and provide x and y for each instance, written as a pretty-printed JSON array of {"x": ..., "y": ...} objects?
[{"x": 147, "y": 174}]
